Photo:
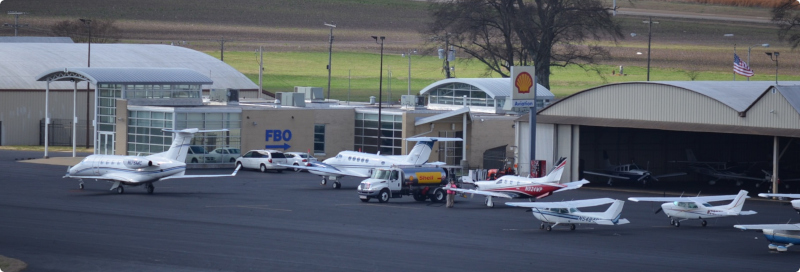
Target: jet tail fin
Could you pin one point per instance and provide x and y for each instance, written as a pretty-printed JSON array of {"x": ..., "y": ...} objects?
[
  {"x": 422, "y": 150},
  {"x": 180, "y": 143},
  {"x": 558, "y": 169}
]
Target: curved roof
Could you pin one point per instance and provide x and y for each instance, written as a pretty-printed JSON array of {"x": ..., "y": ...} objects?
[
  {"x": 128, "y": 75},
  {"x": 755, "y": 107},
  {"x": 494, "y": 87},
  {"x": 22, "y": 62}
]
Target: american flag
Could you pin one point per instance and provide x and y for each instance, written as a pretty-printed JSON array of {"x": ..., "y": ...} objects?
[{"x": 740, "y": 67}]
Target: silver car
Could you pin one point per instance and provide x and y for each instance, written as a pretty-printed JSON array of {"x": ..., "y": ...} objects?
[
  {"x": 263, "y": 160},
  {"x": 299, "y": 159}
]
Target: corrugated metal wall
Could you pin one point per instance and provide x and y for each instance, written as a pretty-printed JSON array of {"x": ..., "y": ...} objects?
[{"x": 21, "y": 111}]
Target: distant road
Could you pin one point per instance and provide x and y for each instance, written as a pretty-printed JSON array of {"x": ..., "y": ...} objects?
[{"x": 692, "y": 15}]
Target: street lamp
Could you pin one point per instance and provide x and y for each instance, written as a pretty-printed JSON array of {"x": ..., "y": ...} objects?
[
  {"x": 409, "y": 67},
  {"x": 649, "y": 38},
  {"x": 776, "y": 54},
  {"x": 88, "y": 24},
  {"x": 748, "y": 53},
  {"x": 330, "y": 48},
  {"x": 380, "y": 91},
  {"x": 734, "y": 51}
]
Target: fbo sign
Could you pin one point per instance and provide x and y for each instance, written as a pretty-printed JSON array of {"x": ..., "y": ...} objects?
[{"x": 278, "y": 135}]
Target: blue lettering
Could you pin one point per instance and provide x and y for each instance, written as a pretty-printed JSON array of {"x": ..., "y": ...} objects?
[
  {"x": 268, "y": 133},
  {"x": 287, "y": 135},
  {"x": 276, "y": 134}
]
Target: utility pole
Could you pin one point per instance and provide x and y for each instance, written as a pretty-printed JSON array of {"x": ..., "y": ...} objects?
[
  {"x": 222, "y": 48},
  {"x": 88, "y": 24},
  {"x": 330, "y": 49},
  {"x": 16, "y": 24},
  {"x": 260, "y": 70},
  {"x": 446, "y": 55}
]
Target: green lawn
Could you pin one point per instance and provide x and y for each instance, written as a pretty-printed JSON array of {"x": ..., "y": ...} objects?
[{"x": 284, "y": 70}]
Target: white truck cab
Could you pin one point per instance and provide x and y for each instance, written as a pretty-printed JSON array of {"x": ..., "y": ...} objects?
[{"x": 420, "y": 182}]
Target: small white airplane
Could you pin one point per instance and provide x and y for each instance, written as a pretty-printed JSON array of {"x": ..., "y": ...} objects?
[
  {"x": 521, "y": 187},
  {"x": 687, "y": 208},
  {"x": 786, "y": 234},
  {"x": 795, "y": 203},
  {"x": 140, "y": 170},
  {"x": 360, "y": 164},
  {"x": 567, "y": 212}
]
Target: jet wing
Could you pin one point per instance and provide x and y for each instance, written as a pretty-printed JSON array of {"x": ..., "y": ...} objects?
[
  {"x": 329, "y": 169},
  {"x": 202, "y": 176},
  {"x": 429, "y": 139},
  {"x": 486, "y": 193},
  {"x": 769, "y": 226},
  {"x": 572, "y": 185},
  {"x": 780, "y": 195},
  {"x": 563, "y": 204},
  {"x": 604, "y": 175},
  {"x": 684, "y": 199}
]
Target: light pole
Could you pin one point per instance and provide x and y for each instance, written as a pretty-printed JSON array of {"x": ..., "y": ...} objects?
[
  {"x": 16, "y": 24},
  {"x": 734, "y": 51},
  {"x": 748, "y": 53},
  {"x": 380, "y": 91},
  {"x": 776, "y": 54},
  {"x": 649, "y": 38},
  {"x": 409, "y": 67},
  {"x": 88, "y": 24},
  {"x": 330, "y": 48}
]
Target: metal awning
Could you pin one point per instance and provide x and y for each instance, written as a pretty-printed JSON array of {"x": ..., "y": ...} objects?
[{"x": 434, "y": 118}]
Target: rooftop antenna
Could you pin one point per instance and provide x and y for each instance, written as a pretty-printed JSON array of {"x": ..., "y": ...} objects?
[{"x": 16, "y": 24}]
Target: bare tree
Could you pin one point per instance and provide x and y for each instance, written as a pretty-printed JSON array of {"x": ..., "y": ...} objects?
[
  {"x": 103, "y": 31},
  {"x": 502, "y": 33},
  {"x": 787, "y": 17}
]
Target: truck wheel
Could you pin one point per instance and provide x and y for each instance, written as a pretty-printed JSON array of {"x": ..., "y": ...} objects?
[
  {"x": 383, "y": 197},
  {"x": 437, "y": 196},
  {"x": 420, "y": 197}
]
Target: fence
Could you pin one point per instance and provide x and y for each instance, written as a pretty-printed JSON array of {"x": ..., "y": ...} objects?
[{"x": 60, "y": 133}]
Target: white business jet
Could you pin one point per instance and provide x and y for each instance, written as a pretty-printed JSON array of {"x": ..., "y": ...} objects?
[
  {"x": 140, "y": 170},
  {"x": 795, "y": 203},
  {"x": 360, "y": 164},
  {"x": 786, "y": 234},
  {"x": 567, "y": 212},
  {"x": 686, "y": 208},
  {"x": 521, "y": 187}
]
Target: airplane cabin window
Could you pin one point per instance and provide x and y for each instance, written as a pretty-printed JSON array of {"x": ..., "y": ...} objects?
[
  {"x": 499, "y": 182},
  {"x": 707, "y": 205}
]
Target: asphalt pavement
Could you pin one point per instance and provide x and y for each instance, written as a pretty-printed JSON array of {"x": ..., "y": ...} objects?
[{"x": 289, "y": 222}]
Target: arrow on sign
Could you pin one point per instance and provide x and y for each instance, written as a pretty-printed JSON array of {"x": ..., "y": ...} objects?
[{"x": 284, "y": 146}]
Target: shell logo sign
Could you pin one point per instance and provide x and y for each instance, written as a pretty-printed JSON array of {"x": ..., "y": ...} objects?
[
  {"x": 523, "y": 82},
  {"x": 429, "y": 177}
]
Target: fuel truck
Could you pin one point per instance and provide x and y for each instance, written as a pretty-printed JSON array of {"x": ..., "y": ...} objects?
[{"x": 420, "y": 182}]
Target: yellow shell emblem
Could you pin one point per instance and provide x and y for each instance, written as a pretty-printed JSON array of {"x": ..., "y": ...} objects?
[{"x": 523, "y": 82}]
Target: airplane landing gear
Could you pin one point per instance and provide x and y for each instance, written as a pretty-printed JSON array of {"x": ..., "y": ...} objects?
[
  {"x": 704, "y": 223},
  {"x": 489, "y": 202},
  {"x": 324, "y": 181},
  {"x": 120, "y": 190},
  {"x": 672, "y": 222},
  {"x": 549, "y": 228},
  {"x": 541, "y": 226},
  {"x": 571, "y": 226},
  {"x": 337, "y": 185},
  {"x": 81, "y": 185},
  {"x": 149, "y": 188},
  {"x": 677, "y": 224}
]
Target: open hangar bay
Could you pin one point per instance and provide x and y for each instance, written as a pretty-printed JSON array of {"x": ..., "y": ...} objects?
[
  {"x": 288, "y": 222},
  {"x": 665, "y": 152}
]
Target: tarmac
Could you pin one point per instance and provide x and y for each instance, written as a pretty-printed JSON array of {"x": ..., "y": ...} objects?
[{"x": 289, "y": 222}]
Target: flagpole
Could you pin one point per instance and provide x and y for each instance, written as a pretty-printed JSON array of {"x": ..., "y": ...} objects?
[{"x": 734, "y": 53}]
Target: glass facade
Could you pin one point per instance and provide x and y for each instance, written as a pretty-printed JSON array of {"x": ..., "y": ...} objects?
[
  {"x": 453, "y": 94},
  {"x": 366, "y": 133},
  {"x": 162, "y": 91},
  {"x": 451, "y": 152},
  {"x": 107, "y": 95},
  {"x": 146, "y": 135}
]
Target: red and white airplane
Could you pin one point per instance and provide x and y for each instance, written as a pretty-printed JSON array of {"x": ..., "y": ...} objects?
[{"x": 521, "y": 187}]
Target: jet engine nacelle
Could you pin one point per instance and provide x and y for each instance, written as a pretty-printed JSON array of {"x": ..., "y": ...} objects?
[
  {"x": 796, "y": 205},
  {"x": 137, "y": 163}
]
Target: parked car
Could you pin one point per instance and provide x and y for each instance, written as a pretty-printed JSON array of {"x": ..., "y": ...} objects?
[
  {"x": 299, "y": 158},
  {"x": 198, "y": 154},
  {"x": 263, "y": 160},
  {"x": 225, "y": 154}
]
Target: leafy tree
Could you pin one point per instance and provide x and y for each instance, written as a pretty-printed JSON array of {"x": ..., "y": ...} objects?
[
  {"x": 103, "y": 31},
  {"x": 502, "y": 33},
  {"x": 787, "y": 17}
]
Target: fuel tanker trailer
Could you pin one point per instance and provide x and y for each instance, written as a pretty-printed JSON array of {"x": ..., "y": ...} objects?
[{"x": 420, "y": 182}]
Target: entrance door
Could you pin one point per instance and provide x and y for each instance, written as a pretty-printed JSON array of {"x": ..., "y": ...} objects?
[{"x": 105, "y": 143}]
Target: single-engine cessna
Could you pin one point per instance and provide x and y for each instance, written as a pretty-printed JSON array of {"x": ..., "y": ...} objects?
[
  {"x": 795, "y": 202},
  {"x": 687, "y": 208},
  {"x": 627, "y": 172},
  {"x": 566, "y": 212},
  {"x": 776, "y": 234},
  {"x": 140, "y": 170},
  {"x": 521, "y": 187},
  {"x": 360, "y": 164}
]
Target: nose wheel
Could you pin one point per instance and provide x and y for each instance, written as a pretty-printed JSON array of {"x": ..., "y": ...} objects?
[
  {"x": 324, "y": 181},
  {"x": 149, "y": 188},
  {"x": 120, "y": 190},
  {"x": 704, "y": 223},
  {"x": 80, "y": 185}
]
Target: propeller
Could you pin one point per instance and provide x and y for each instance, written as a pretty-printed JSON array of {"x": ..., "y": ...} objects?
[{"x": 659, "y": 210}]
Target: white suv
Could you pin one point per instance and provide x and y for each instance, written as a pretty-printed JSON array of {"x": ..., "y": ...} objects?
[
  {"x": 299, "y": 159},
  {"x": 263, "y": 160}
]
